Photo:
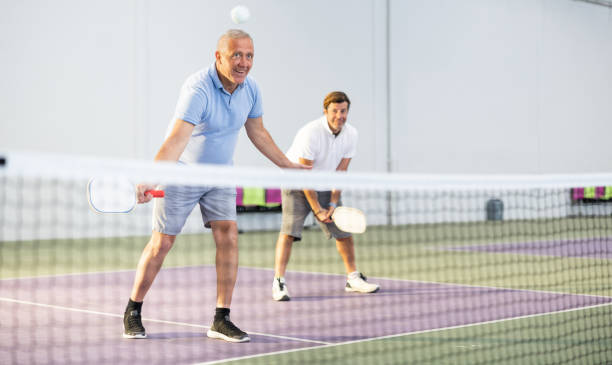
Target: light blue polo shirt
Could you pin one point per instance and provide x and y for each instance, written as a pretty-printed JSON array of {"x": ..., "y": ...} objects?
[{"x": 216, "y": 114}]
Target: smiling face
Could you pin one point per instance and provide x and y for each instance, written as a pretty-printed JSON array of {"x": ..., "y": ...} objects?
[
  {"x": 336, "y": 116},
  {"x": 234, "y": 59}
]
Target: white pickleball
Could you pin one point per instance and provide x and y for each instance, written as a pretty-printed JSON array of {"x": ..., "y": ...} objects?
[{"x": 240, "y": 14}]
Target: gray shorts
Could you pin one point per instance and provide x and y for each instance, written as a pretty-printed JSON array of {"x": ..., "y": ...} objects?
[
  {"x": 296, "y": 209},
  {"x": 171, "y": 212}
]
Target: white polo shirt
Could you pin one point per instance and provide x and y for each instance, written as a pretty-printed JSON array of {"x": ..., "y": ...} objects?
[{"x": 316, "y": 142}]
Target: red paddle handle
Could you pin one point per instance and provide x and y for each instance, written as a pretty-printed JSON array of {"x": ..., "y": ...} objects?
[{"x": 155, "y": 193}]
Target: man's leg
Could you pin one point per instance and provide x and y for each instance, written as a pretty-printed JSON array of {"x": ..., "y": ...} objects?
[
  {"x": 346, "y": 249},
  {"x": 225, "y": 234},
  {"x": 295, "y": 210},
  {"x": 281, "y": 259},
  {"x": 283, "y": 253},
  {"x": 356, "y": 281},
  {"x": 150, "y": 262}
]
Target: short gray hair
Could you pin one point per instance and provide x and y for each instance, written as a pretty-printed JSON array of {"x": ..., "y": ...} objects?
[{"x": 233, "y": 34}]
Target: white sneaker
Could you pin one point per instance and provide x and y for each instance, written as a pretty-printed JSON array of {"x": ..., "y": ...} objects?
[
  {"x": 279, "y": 290},
  {"x": 356, "y": 282}
]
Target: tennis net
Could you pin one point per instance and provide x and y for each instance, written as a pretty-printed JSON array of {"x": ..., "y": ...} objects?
[{"x": 471, "y": 269}]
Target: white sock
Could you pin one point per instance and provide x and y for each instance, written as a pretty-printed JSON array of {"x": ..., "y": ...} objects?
[{"x": 353, "y": 275}]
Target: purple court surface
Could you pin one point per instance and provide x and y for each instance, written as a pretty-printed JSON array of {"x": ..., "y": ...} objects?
[
  {"x": 585, "y": 247},
  {"x": 78, "y": 318}
]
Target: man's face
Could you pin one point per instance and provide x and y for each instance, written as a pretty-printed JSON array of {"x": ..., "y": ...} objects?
[
  {"x": 234, "y": 61},
  {"x": 336, "y": 116}
]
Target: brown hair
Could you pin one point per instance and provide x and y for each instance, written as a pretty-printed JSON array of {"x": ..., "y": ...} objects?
[{"x": 336, "y": 97}]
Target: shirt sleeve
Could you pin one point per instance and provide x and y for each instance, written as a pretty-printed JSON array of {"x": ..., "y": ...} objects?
[
  {"x": 257, "y": 109},
  {"x": 306, "y": 144},
  {"x": 351, "y": 148},
  {"x": 191, "y": 104}
]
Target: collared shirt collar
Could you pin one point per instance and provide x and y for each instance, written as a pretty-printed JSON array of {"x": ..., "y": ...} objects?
[
  {"x": 327, "y": 129},
  {"x": 214, "y": 75}
]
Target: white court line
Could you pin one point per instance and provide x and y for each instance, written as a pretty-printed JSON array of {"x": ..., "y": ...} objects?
[
  {"x": 447, "y": 284},
  {"x": 511, "y": 289},
  {"x": 47, "y": 276},
  {"x": 403, "y": 334},
  {"x": 86, "y": 311},
  {"x": 322, "y": 343},
  {"x": 326, "y": 274}
]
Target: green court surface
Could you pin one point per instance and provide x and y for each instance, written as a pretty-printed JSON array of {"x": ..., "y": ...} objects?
[
  {"x": 415, "y": 252},
  {"x": 411, "y": 252},
  {"x": 551, "y": 339}
]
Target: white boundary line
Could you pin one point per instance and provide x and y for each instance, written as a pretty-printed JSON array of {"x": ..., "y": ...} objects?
[
  {"x": 405, "y": 334},
  {"x": 86, "y": 311},
  {"x": 448, "y": 284},
  {"x": 321, "y": 343},
  {"x": 47, "y": 276},
  {"x": 325, "y": 274}
]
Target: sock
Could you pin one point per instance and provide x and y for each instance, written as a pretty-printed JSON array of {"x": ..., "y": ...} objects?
[
  {"x": 132, "y": 305},
  {"x": 221, "y": 313},
  {"x": 353, "y": 275}
]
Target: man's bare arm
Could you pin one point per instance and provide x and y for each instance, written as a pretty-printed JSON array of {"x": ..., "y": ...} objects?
[
  {"x": 170, "y": 150},
  {"x": 335, "y": 195},
  {"x": 319, "y": 212},
  {"x": 262, "y": 140},
  {"x": 175, "y": 143}
]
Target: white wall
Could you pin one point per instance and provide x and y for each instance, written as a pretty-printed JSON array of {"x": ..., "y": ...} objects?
[
  {"x": 67, "y": 76},
  {"x": 516, "y": 86},
  {"x": 475, "y": 86},
  {"x": 102, "y": 78}
]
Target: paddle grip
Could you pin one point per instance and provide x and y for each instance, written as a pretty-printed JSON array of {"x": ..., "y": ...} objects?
[{"x": 155, "y": 193}]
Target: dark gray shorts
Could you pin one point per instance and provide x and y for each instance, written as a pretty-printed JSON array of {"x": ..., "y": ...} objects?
[
  {"x": 171, "y": 212},
  {"x": 296, "y": 209}
]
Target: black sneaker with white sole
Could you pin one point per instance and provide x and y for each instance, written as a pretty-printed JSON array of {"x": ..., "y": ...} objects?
[
  {"x": 224, "y": 329},
  {"x": 132, "y": 325}
]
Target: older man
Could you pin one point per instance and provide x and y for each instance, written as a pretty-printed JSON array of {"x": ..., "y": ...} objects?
[{"x": 213, "y": 106}]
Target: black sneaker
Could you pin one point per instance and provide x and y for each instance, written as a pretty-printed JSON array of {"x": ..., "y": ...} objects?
[
  {"x": 132, "y": 324},
  {"x": 224, "y": 329}
]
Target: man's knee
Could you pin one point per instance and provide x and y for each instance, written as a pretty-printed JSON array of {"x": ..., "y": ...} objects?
[
  {"x": 345, "y": 240},
  {"x": 225, "y": 232},
  {"x": 285, "y": 239},
  {"x": 161, "y": 243}
]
